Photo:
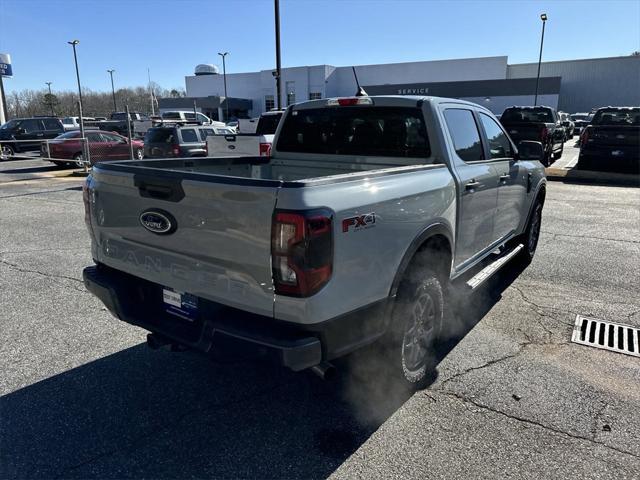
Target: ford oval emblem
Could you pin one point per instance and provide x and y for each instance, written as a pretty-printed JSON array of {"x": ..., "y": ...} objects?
[
  {"x": 158, "y": 221},
  {"x": 232, "y": 147}
]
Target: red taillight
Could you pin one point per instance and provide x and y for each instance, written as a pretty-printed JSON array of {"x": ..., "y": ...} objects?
[
  {"x": 175, "y": 149},
  {"x": 585, "y": 136},
  {"x": 265, "y": 149},
  {"x": 543, "y": 134},
  {"x": 301, "y": 252},
  {"x": 86, "y": 200}
]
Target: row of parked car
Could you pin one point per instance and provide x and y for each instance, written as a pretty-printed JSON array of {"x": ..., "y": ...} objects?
[{"x": 609, "y": 137}]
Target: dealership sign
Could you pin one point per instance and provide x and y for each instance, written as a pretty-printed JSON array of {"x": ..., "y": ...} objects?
[{"x": 5, "y": 65}]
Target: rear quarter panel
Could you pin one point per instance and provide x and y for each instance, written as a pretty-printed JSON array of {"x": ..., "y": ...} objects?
[{"x": 366, "y": 259}]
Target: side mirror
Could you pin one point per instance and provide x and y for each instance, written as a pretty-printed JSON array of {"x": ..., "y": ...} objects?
[{"x": 530, "y": 150}]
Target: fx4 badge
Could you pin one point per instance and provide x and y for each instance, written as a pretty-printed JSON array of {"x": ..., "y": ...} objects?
[{"x": 359, "y": 222}]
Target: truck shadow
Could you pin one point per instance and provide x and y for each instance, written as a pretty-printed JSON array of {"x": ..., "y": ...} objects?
[{"x": 144, "y": 413}]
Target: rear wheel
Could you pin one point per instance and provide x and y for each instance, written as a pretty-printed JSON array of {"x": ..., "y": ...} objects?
[
  {"x": 6, "y": 152},
  {"x": 78, "y": 160},
  {"x": 557, "y": 155},
  {"x": 139, "y": 154},
  {"x": 415, "y": 325}
]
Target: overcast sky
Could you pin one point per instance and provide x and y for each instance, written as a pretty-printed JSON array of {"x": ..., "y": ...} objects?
[{"x": 172, "y": 36}]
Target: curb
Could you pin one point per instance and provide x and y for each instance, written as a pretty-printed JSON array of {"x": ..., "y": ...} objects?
[{"x": 593, "y": 177}]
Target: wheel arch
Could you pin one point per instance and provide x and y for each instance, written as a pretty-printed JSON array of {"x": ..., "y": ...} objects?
[{"x": 437, "y": 237}]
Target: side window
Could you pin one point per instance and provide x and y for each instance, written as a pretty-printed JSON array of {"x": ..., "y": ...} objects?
[
  {"x": 31, "y": 126},
  {"x": 499, "y": 145},
  {"x": 205, "y": 132},
  {"x": 464, "y": 133},
  {"x": 189, "y": 135},
  {"x": 202, "y": 118},
  {"x": 51, "y": 124},
  {"x": 94, "y": 137}
]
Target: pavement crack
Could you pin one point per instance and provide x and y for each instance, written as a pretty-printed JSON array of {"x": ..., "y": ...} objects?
[
  {"x": 485, "y": 365},
  {"x": 589, "y": 236},
  {"x": 596, "y": 420},
  {"x": 38, "y": 193},
  {"x": 18, "y": 268},
  {"x": 538, "y": 310},
  {"x": 535, "y": 423}
]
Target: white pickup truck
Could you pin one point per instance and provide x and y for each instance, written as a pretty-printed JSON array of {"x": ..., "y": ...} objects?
[
  {"x": 246, "y": 144},
  {"x": 348, "y": 234}
]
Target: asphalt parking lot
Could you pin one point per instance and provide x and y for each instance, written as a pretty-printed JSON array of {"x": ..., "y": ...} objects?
[{"x": 83, "y": 397}]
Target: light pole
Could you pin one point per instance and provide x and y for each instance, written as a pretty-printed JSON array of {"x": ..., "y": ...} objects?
[
  {"x": 53, "y": 114},
  {"x": 543, "y": 17},
  {"x": 276, "y": 6},
  {"x": 224, "y": 76},
  {"x": 73, "y": 43},
  {"x": 113, "y": 91}
]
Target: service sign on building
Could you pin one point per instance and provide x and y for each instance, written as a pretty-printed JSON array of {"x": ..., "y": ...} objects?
[{"x": 5, "y": 65}]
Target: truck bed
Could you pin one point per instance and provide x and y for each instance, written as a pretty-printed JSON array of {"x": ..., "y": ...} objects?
[{"x": 260, "y": 168}]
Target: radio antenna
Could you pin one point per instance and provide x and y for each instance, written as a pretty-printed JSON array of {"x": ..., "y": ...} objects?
[{"x": 360, "y": 92}]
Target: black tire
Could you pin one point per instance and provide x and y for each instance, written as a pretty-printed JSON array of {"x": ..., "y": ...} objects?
[
  {"x": 78, "y": 160},
  {"x": 416, "y": 322},
  {"x": 546, "y": 161},
  {"x": 557, "y": 155},
  {"x": 529, "y": 239},
  {"x": 6, "y": 152}
]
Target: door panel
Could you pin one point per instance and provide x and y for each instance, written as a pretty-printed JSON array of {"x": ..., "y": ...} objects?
[
  {"x": 477, "y": 186},
  {"x": 477, "y": 209},
  {"x": 511, "y": 178}
]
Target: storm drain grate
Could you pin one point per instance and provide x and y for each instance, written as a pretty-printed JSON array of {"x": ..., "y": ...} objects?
[{"x": 606, "y": 335}]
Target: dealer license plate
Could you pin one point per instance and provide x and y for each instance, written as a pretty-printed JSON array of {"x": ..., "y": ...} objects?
[{"x": 181, "y": 304}]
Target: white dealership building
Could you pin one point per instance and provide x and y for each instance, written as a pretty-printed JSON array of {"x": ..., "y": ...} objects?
[{"x": 571, "y": 85}]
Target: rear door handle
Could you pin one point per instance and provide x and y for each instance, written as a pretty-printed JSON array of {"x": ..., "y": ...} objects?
[
  {"x": 504, "y": 178},
  {"x": 472, "y": 185}
]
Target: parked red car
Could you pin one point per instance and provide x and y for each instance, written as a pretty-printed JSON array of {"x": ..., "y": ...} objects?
[{"x": 103, "y": 146}]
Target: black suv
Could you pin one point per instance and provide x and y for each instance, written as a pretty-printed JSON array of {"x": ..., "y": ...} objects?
[
  {"x": 178, "y": 141},
  {"x": 31, "y": 132}
]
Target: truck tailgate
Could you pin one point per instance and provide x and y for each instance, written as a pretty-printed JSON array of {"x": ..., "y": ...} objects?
[
  {"x": 218, "y": 243},
  {"x": 233, "y": 145}
]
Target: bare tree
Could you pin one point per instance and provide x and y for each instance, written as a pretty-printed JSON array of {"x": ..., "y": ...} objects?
[{"x": 27, "y": 103}]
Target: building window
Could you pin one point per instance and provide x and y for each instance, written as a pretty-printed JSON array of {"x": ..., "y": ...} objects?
[
  {"x": 315, "y": 95},
  {"x": 269, "y": 103},
  {"x": 291, "y": 92}
]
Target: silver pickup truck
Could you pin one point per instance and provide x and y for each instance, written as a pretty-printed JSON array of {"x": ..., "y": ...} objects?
[{"x": 348, "y": 234}]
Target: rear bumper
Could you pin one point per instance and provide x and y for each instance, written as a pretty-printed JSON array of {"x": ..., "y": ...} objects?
[
  {"x": 613, "y": 158},
  {"x": 296, "y": 346}
]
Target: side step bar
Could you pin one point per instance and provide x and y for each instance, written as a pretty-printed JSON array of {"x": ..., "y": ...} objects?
[{"x": 484, "y": 274}]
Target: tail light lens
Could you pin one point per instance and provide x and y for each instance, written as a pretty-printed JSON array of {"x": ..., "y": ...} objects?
[
  {"x": 301, "y": 251},
  {"x": 265, "y": 149},
  {"x": 87, "y": 193},
  {"x": 543, "y": 134},
  {"x": 585, "y": 136},
  {"x": 175, "y": 149}
]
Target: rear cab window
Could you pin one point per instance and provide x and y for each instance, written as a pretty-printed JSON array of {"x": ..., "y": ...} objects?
[
  {"x": 527, "y": 115},
  {"x": 617, "y": 116},
  {"x": 356, "y": 130}
]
